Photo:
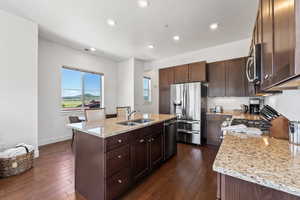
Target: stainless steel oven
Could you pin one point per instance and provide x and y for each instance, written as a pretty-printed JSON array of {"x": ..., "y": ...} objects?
[{"x": 253, "y": 65}]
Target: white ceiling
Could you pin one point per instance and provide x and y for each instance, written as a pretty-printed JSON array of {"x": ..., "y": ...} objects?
[{"x": 82, "y": 23}]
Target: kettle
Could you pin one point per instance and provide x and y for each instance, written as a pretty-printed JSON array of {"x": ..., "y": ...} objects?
[{"x": 244, "y": 108}]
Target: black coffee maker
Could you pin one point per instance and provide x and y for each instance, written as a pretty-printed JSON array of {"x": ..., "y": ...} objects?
[{"x": 254, "y": 106}]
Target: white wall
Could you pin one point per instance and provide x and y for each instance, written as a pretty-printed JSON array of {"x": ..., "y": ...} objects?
[
  {"x": 222, "y": 52},
  {"x": 286, "y": 103},
  {"x": 18, "y": 81},
  {"x": 125, "y": 83},
  {"x": 138, "y": 85},
  {"x": 52, "y": 57},
  {"x": 228, "y": 103}
]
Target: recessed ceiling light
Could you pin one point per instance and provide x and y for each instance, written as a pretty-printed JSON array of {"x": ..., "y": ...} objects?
[
  {"x": 151, "y": 46},
  {"x": 176, "y": 38},
  {"x": 90, "y": 49},
  {"x": 143, "y": 3},
  {"x": 93, "y": 49},
  {"x": 111, "y": 22},
  {"x": 214, "y": 26}
]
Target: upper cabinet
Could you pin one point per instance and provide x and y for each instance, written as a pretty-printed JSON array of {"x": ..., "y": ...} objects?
[
  {"x": 181, "y": 74},
  {"x": 228, "y": 78},
  {"x": 216, "y": 79},
  {"x": 166, "y": 77},
  {"x": 277, "y": 27},
  {"x": 197, "y": 72}
]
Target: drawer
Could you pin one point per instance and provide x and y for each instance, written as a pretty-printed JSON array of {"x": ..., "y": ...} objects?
[
  {"x": 118, "y": 184},
  {"x": 117, "y": 160},
  {"x": 116, "y": 141}
]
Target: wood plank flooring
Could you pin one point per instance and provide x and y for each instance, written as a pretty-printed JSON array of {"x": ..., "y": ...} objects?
[{"x": 186, "y": 176}]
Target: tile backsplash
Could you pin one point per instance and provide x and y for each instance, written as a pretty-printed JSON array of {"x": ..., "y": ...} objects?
[{"x": 228, "y": 103}]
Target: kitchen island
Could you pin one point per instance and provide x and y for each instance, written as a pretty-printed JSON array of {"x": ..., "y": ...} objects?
[
  {"x": 257, "y": 167},
  {"x": 113, "y": 154}
]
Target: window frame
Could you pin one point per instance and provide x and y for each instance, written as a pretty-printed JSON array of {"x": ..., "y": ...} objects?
[
  {"x": 149, "y": 89},
  {"x": 82, "y": 88}
]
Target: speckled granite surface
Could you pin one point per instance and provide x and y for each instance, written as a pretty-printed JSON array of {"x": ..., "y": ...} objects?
[
  {"x": 110, "y": 127},
  {"x": 263, "y": 160},
  {"x": 236, "y": 114}
]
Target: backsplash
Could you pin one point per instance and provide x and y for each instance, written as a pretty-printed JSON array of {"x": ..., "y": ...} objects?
[{"x": 228, "y": 103}]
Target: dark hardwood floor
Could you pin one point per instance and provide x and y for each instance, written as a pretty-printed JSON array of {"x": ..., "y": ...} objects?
[{"x": 188, "y": 175}]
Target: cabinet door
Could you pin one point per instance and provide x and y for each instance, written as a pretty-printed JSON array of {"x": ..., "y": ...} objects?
[
  {"x": 213, "y": 128},
  {"x": 164, "y": 100},
  {"x": 156, "y": 149},
  {"x": 181, "y": 74},
  {"x": 197, "y": 72},
  {"x": 267, "y": 42},
  {"x": 140, "y": 158},
  {"x": 235, "y": 77},
  {"x": 166, "y": 77},
  {"x": 284, "y": 40},
  {"x": 216, "y": 79}
]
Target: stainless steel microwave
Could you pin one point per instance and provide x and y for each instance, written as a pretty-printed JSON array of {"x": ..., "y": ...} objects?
[{"x": 253, "y": 66}]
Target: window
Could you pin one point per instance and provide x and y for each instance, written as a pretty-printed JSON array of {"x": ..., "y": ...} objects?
[
  {"x": 147, "y": 89},
  {"x": 81, "y": 89}
]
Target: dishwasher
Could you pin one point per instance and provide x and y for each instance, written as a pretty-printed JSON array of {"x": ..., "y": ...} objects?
[{"x": 170, "y": 134}]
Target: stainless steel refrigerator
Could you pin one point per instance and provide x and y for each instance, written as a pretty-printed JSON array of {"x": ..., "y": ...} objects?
[{"x": 189, "y": 103}]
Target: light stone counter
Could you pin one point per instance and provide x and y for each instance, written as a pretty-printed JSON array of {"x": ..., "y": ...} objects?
[
  {"x": 262, "y": 160},
  {"x": 110, "y": 127},
  {"x": 237, "y": 114}
]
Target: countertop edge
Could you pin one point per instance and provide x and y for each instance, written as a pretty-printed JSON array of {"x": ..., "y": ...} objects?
[{"x": 129, "y": 128}]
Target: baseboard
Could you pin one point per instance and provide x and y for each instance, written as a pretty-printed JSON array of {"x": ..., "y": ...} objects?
[{"x": 54, "y": 140}]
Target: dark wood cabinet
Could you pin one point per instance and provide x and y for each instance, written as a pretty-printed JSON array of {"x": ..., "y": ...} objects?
[
  {"x": 228, "y": 78},
  {"x": 213, "y": 128},
  {"x": 156, "y": 149},
  {"x": 140, "y": 158},
  {"x": 181, "y": 74},
  {"x": 216, "y": 79},
  {"x": 197, "y": 72},
  {"x": 235, "y": 77},
  {"x": 166, "y": 78},
  {"x": 284, "y": 40},
  {"x": 230, "y": 188},
  {"x": 105, "y": 168},
  {"x": 267, "y": 42}
]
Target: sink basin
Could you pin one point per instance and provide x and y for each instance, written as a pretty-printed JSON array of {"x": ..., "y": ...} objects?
[
  {"x": 128, "y": 123},
  {"x": 141, "y": 121},
  {"x": 135, "y": 122}
]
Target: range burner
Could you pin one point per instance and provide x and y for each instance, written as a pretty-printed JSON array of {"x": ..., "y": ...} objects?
[{"x": 260, "y": 124}]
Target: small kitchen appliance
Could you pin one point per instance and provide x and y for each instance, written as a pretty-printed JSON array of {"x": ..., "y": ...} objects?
[
  {"x": 294, "y": 132},
  {"x": 254, "y": 106}
]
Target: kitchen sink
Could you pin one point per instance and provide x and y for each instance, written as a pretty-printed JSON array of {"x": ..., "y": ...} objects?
[
  {"x": 135, "y": 122},
  {"x": 128, "y": 123},
  {"x": 141, "y": 121}
]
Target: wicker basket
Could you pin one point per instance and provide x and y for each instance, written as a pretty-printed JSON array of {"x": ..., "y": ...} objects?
[{"x": 16, "y": 165}]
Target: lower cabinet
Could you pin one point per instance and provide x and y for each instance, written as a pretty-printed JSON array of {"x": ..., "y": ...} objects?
[
  {"x": 146, "y": 151},
  {"x": 105, "y": 168},
  {"x": 213, "y": 128},
  {"x": 230, "y": 188}
]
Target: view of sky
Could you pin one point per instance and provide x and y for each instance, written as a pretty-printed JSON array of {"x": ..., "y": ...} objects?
[{"x": 72, "y": 83}]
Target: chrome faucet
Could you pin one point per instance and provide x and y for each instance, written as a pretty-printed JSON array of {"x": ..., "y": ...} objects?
[{"x": 130, "y": 113}]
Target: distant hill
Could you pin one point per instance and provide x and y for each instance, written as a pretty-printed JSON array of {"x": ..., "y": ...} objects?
[{"x": 79, "y": 96}]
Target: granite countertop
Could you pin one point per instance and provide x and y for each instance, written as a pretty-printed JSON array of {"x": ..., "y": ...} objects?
[
  {"x": 262, "y": 160},
  {"x": 110, "y": 127},
  {"x": 236, "y": 114}
]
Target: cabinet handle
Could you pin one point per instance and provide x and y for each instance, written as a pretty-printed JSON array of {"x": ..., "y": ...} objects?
[
  {"x": 142, "y": 140},
  {"x": 152, "y": 139},
  {"x": 221, "y": 137},
  {"x": 120, "y": 141},
  {"x": 120, "y": 181},
  {"x": 149, "y": 140},
  {"x": 119, "y": 156}
]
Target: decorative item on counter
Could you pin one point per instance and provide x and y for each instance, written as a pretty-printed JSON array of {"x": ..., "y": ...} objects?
[
  {"x": 280, "y": 124},
  {"x": 294, "y": 133},
  {"x": 16, "y": 160}
]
